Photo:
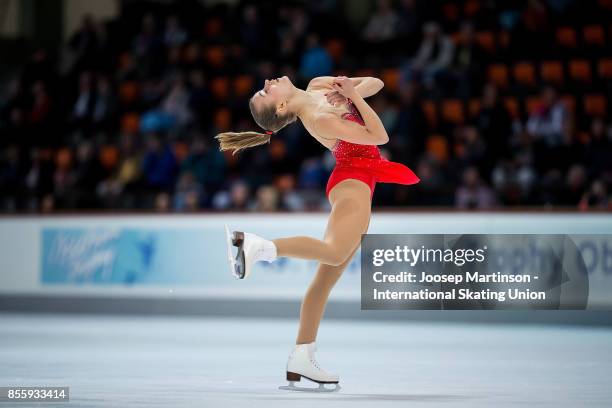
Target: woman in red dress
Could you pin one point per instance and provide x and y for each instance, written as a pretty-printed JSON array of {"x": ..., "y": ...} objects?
[{"x": 333, "y": 111}]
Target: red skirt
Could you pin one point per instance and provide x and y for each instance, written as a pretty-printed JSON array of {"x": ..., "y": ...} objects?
[{"x": 370, "y": 171}]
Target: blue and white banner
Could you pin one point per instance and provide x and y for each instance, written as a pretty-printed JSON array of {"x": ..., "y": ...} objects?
[{"x": 185, "y": 256}]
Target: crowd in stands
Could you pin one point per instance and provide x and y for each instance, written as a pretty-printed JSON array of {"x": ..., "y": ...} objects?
[{"x": 493, "y": 104}]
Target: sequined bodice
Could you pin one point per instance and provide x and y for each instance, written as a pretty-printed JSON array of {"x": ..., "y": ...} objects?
[{"x": 343, "y": 149}]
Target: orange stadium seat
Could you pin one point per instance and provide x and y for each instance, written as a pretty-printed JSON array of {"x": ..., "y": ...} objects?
[
  {"x": 504, "y": 39},
  {"x": 584, "y": 137},
  {"x": 220, "y": 87},
  {"x": 243, "y": 85},
  {"x": 437, "y": 146},
  {"x": 63, "y": 158},
  {"x": 181, "y": 150},
  {"x": 471, "y": 7},
  {"x": 511, "y": 103},
  {"x": 566, "y": 37},
  {"x": 450, "y": 11},
  {"x": 109, "y": 157},
  {"x": 524, "y": 73},
  {"x": 335, "y": 48},
  {"x": 595, "y": 105},
  {"x": 431, "y": 113},
  {"x": 531, "y": 104},
  {"x": 215, "y": 56},
  {"x": 456, "y": 36},
  {"x": 580, "y": 70},
  {"x": 498, "y": 73},
  {"x": 594, "y": 35},
  {"x": 486, "y": 40},
  {"x": 552, "y": 71},
  {"x": 223, "y": 119},
  {"x": 604, "y": 68},
  {"x": 391, "y": 79},
  {"x": 474, "y": 107},
  {"x": 128, "y": 92},
  {"x": 452, "y": 111},
  {"x": 130, "y": 123},
  {"x": 213, "y": 27},
  {"x": 570, "y": 103}
]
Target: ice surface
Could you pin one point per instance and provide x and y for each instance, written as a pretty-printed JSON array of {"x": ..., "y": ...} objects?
[{"x": 127, "y": 361}]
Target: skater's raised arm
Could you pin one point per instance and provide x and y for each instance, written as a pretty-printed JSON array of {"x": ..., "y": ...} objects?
[
  {"x": 331, "y": 127},
  {"x": 365, "y": 86}
]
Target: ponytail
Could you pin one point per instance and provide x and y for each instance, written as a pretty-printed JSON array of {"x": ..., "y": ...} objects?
[{"x": 237, "y": 141}]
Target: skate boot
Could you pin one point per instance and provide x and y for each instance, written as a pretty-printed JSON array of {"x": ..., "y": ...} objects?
[
  {"x": 251, "y": 248},
  {"x": 302, "y": 363}
]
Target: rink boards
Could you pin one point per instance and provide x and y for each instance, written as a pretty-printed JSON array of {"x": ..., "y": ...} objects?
[{"x": 175, "y": 257}]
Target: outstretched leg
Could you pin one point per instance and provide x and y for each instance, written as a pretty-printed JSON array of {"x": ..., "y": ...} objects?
[{"x": 349, "y": 218}]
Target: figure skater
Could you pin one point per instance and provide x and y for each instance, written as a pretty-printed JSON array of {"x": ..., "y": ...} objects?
[{"x": 352, "y": 136}]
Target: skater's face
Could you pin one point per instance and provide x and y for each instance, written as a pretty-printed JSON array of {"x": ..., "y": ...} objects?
[{"x": 275, "y": 92}]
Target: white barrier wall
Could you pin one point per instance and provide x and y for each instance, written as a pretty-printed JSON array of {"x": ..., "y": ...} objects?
[{"x": 184, "y": 256}]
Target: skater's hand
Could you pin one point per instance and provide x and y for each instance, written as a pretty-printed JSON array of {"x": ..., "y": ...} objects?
[
  {"x": 335, "y": 98},
  {"x": 344, "y": 86}
]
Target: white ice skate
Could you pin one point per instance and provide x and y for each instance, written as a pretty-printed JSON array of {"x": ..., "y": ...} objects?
[
  {"x": 251, "y": 248},
  {"x": 302, "y": 363}
]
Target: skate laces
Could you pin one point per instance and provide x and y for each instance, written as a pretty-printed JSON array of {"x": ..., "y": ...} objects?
[{"x": 314, "y": 362}]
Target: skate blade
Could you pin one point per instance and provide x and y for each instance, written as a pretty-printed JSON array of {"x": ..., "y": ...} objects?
[
  {"x": 320, "y": 388},
  {"x": 234, "y": 267}
]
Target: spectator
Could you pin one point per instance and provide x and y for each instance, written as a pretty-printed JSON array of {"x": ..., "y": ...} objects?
[
  {"x": 267, "y": 199},
  {"x": 289, "y": 199},
  {"x": 105, "y": 105},
  {"x": 599, "y": 151},
  {"x": 86, "y": 175},
  {"x": 473, "y": 193},
  {"x": 470, "y": 149},
  {"x": 433, "y": 188},
  {"x": 189, "y": 193},
  {"x": 576, "y": 184},
  {"x": 175, "y": 35},
  {"x": 133, "y": 82},
  {"x": 596, "y": 198},
  {"x": 382, "y": 27},
  {"x": 158, "y": 164},
  {"x": 495, "y": 125},
  {"x": 409, "y": 24},
  {"x": 176, "y": 103},
  {"x": 467, "y": 69},
  {"x": 433, "y": 57},
  {"x": 162, "y": 202},
  {"x": 207, "y": 164},
  {"x": 547, "y": 122},
  {"x": 408, "y": 142},
  {"x": 251, "y": 30},
  {"x": 83, "y": 106},
  {"x": 84, "y": 43},
  {"x": 315, "y": 60},
  {"x": 236, "y": 199}
]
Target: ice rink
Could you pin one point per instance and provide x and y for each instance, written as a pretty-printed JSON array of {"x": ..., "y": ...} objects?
[{"x": 119, "y": 361}]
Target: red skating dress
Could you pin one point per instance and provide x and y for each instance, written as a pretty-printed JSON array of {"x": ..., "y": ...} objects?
[{"x": 364, "y": 162}]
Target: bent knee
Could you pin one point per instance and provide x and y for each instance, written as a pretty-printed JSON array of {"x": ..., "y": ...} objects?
[{"x": 339, "y": 257}]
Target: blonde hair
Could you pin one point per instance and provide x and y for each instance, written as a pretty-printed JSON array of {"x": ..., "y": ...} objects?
[
  {"x": 268, "y": 119},
  {"x": 237, "y": 141}
]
